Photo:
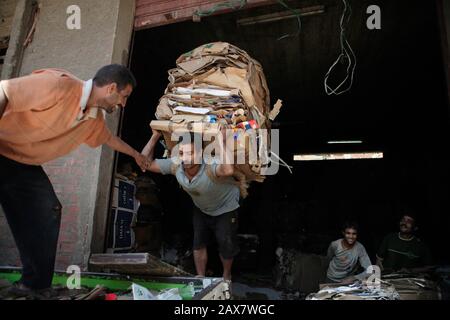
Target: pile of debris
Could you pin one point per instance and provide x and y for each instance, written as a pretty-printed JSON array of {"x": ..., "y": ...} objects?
[
  {"x": 298, "y": 271},
  {"x": 443, "y": 279},
  {"x": 356, "y": 291},
  {"x": 393, "y": 286},
  {"x": 137, "y": 279},
  {"x": 135, "y": 292},
  {"x": 217, "y": 86},
  {"x": 413, "y": 286}
]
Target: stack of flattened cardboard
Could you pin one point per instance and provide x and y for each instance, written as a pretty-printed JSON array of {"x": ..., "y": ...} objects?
[
  {"x": 414, "y": 286},
  {"x": 217, "y": 86}
]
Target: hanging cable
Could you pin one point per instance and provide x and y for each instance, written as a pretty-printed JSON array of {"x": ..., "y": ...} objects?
[
  {"x": 297, "y": 14},
  {"x": 347, "y": 55},
  {"x": 281, "y": 162}
]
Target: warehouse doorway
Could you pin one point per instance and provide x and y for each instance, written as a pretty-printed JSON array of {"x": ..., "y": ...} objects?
[{"x": 388, "y": 109}]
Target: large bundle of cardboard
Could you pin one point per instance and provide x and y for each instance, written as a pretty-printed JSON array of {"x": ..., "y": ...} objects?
[{"x": 216, "y": 86}]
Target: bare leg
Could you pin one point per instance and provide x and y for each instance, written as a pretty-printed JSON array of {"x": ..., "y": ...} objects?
[
  {"x": 200, "y": 259},
  {"x": 227, "y": 264}
]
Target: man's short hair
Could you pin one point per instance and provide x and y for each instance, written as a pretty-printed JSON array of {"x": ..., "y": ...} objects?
[
  {"x": 411, "y": 215},
  {"x": 350, "y": 225},
  {"x": 408, "y": 211},
  {"x": 192, "y": 138},
  {"x": 115, "y": 73}
]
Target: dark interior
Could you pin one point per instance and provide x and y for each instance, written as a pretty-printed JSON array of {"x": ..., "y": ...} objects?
[{"x": 398, "y": 105}]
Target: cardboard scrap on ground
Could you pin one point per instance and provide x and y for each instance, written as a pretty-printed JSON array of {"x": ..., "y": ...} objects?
[{"x": 142, "y": 293}]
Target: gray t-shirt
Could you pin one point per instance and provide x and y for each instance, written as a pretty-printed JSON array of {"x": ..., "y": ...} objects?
[
  {"x": 210, "y": 197},
  {"x": 344, "y": 262}
]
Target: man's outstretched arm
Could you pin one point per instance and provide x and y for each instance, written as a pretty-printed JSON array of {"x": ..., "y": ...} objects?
[
  {"x": 226, "y": 169},
  {"x": 119, "y": 145},
  {"x": 149, "y": 151}
]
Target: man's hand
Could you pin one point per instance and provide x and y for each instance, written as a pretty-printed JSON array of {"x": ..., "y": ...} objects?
[
  {"x": 380, "y": 263},
  {"x": 117, "y": 144},
  {"x": 142, "y": 161},
  {"x": 349, "y": 280},
  {"x": 157, "y": 134}
]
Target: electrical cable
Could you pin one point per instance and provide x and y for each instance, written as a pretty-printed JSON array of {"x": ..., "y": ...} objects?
[
  {"x": 282, "y": 162},
  {"x": 297, "y": 14},
  {"x": 346, "y": 54}
]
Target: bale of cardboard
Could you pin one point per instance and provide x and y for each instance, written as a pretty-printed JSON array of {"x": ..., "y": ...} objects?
[{"x": 219, "y": 86}]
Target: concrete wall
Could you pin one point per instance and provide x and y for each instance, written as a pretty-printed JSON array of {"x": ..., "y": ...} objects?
[
  {"x": 7, "y": 9},
  {"x": 82, "y": 179}
]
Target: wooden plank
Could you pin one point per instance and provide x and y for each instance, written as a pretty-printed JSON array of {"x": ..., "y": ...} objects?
[
  {"x": 277, "y": 16},
  {"x": 135, "y": 263}
]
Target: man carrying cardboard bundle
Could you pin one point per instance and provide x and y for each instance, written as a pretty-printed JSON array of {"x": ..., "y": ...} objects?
[{"x": 214, "y": 193}]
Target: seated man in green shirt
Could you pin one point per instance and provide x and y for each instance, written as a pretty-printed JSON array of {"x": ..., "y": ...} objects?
[{"x": 403, "y": 250}]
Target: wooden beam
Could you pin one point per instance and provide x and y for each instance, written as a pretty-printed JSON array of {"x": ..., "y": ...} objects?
[
  {"x": 272, "y": 17},
  {"x": 135, "y": 263}
]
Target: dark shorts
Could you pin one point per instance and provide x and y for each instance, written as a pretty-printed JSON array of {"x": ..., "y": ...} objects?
[{"x": 224, "y": 228}]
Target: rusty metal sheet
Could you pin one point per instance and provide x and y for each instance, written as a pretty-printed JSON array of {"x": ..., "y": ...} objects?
[{"x": 152, "y": 13}]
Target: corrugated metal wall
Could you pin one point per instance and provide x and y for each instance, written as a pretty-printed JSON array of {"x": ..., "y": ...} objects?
[{"x": 152, "y": 13}]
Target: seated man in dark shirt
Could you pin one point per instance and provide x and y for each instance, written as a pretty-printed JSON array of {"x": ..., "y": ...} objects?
[{"x": 403, "y": 250}]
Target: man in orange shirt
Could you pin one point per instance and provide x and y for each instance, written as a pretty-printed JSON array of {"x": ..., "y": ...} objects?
[{"x": 44, "y": 116}]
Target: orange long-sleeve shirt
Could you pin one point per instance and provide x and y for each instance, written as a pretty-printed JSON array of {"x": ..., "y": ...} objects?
[{"x": 41, "y": 118}]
